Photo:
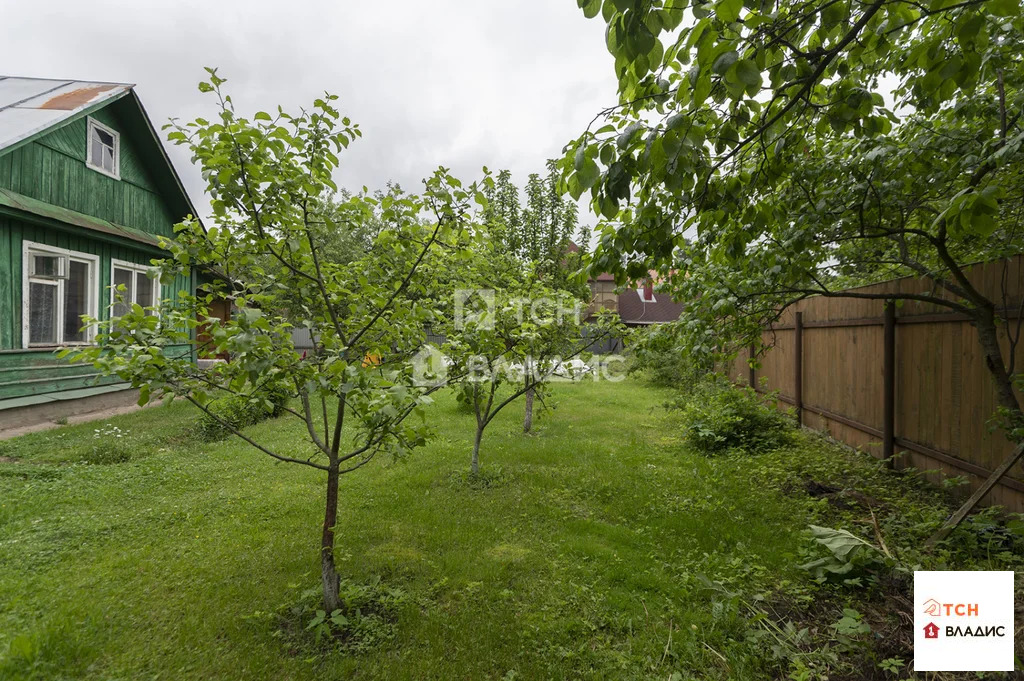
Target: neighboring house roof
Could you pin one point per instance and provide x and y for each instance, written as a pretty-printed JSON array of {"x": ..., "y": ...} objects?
[
  {"x": 634, "y": 310},
  {"x": 33, "y": 107}
]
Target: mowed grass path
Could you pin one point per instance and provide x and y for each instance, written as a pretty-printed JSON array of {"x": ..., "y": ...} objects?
[{"x": 578, "y": 561}]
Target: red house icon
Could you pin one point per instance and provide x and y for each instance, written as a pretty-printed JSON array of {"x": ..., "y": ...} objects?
[{"x": 931, "y": 630}]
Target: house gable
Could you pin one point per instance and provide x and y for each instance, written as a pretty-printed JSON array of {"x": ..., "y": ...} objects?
[{"x": 51, "y": 167}]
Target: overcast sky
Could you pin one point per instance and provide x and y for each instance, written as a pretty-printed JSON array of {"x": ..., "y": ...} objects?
[{"x": 464, "y": 83}]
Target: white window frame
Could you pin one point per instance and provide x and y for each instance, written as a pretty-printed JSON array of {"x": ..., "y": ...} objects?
[
  {"x": 94, "y": 125},
  {"x": 28, "y": 248},
  {"x": 135, "y": 268}
]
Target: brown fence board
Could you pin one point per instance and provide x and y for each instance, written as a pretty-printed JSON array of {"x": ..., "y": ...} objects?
[{"x": 944, "y": 397}]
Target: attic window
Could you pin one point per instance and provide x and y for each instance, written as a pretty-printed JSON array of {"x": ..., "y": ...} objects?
[{"x": 104, "y": 153}]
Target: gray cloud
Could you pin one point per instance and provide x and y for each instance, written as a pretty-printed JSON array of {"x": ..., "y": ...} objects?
[{"x": 463, "y": 83}]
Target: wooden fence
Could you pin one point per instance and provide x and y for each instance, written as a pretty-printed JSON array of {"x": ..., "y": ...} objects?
[{"x": 906, "y": 379}]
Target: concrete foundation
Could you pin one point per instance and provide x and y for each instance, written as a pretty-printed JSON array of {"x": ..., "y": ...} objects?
[{"x": 20, "y": 420}]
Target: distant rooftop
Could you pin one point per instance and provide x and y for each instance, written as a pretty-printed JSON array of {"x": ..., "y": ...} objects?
[{"x": 30, "y": 105}]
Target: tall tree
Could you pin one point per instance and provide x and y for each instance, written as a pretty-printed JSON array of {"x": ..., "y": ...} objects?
[
  {"x": 266, "y": 176},
  {"x": 538, "y": 234},
  {"x": 756, "y": 152}
]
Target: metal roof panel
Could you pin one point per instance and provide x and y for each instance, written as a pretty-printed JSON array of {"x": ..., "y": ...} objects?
[
  {"x": 15, "y": 90},
  {"x": 30, "y": 105}
]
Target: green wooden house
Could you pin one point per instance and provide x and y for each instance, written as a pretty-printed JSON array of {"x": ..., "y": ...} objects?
[{"x": 86, "y": 190}]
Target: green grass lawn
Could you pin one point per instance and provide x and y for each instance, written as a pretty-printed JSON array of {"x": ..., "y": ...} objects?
[{"x": 582, "y": 557}]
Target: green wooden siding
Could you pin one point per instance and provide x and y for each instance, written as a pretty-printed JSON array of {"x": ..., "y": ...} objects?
[
  {"x": 10, "y": 243},
  {"x": 53, "y": 169},
  {"x": 33, "y": 371}
]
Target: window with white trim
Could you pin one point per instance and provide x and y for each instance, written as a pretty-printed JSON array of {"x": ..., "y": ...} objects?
[
  {"x": 58, "y": 287},
  {"x": 104, "y": 150},
  {"x": 140, "y": 286}
]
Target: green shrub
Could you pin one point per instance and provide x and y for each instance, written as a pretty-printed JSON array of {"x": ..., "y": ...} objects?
[
  {"x": 278, "y": 397},
  {"x": 658, "y": 357},
  {"x": 239, "y": 411},
  {"x": 719, "y": 416}
]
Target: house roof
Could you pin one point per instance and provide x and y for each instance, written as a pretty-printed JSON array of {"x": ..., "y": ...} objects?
[
  {"x": 633, "y": 309},
  {"x": 29, "y": 106},
  {"x": 32, "y": 107}
]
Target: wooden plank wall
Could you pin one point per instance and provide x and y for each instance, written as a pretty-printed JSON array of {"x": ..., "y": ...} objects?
[
  {"x": 33, "y": 372},
  {"x": 944, "y": 397},
  {"x": 53, "y": 169}
]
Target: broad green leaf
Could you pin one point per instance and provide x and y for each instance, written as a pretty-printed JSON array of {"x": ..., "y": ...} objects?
[
  {"x": 728, "y": 10},
  {"x": 748, "y": 73},
  {"x": 588, "y": 174},
  {"x": 841, "y": 543},
  {"x": 591, "y": 8},
  {"x": 724, "y": 61}
]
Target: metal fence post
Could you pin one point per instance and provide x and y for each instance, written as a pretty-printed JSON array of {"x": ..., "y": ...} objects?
[
  {"x": 798, "y": 367},
  {"x": 889, "y": 384},
  {"x": 752, "y": 373}
]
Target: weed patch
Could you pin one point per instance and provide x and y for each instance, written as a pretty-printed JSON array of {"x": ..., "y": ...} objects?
[
  {"x": 719, "y": 417},
  {"x": 364, "y": 623}
]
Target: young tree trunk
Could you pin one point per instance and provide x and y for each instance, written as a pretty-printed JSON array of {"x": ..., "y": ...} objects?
[
  {"x": 475, "y": 466},
  {"x": 988, "y": 337},
  {"x": 528, "y": 419},
  {"x": 329, "y": 574}
]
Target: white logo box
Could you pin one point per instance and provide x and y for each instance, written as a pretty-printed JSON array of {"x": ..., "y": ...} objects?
[{"x": 963, "y": 621}]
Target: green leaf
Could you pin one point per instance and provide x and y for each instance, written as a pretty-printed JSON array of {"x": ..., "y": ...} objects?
[
  {"x": 724, "y": 61},
  {"x": 1003, "y": 8},
  {"x": 588, "y": 174},
  {"x": 968, "y": 26},
  {"x": 609, "y": 207},
  {"x": 748, "y": 73},
  {"x": 841, "y": 543},
  {"x": 728, "y": 10},
  {"x": 591, "y": 8}
]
